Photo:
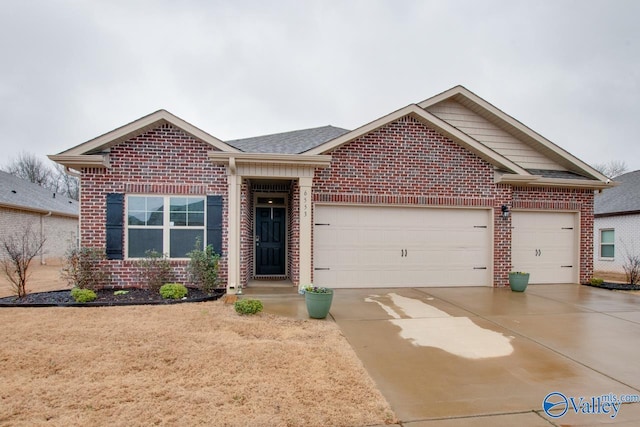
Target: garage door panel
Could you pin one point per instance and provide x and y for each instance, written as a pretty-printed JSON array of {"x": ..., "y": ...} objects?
[
  {"x": 544, "y": 244},
  {"x": 358, "y": 246}
]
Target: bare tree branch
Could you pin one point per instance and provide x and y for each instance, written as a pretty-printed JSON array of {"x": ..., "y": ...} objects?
[
  {"x": 19, "y": 250},
  {"x": 612, "y": 168}
]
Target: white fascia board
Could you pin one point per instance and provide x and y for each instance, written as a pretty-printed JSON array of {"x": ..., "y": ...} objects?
[
  {"x": 539, "y": 181},
  {"x": 140, "y": 126},
  {"x": 78, "y": 162},
  {"x": 316, "y": 161}
]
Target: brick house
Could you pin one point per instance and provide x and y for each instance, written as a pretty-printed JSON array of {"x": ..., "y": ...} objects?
[
  {"x": 51, "y": 216},
  {"x": 447, "y": 192}
]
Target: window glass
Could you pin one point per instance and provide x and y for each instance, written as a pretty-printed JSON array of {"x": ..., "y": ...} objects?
[
  {"x": 145, "y": 210},
  {"x": 148, "y": 229},
  {"x": 187, "y": 211},
  {"x": 142, "y": 240},
  {"x": 607, "y": 243},
  {"x": 607, "y": 251},
  {"x": 183, "y": 241},
  {"x": 607, "y": 236}
]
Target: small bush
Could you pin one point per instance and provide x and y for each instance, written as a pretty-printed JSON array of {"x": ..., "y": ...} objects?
[
  {"x": 173, "y": 291},
  {"x": 83, "y": 268},
  {"x": 155, "y": 270},
  {"x": 595, "y": 281},
  {"x": 248, "y": 306},
  {"x": 83, "y": 295},
  {"x": 203, "y": 267}
]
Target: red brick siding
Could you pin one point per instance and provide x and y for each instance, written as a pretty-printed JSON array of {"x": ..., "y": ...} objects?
[
  {"x": 163, "y": 161},
  {"x": 294, "y": 233},
  {"x": 408, "y": 163},
  {"x": 246, "y": 234}
]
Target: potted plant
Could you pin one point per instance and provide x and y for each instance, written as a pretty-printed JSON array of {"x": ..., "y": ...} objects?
[
  {"x": 318, "y": 300},
  {"x": 518, "y": 281}
]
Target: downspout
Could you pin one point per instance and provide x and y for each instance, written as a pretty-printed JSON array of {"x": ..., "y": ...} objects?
[
  {"x": 78, "y": 175},
  {"x": 42, "y": 217}
]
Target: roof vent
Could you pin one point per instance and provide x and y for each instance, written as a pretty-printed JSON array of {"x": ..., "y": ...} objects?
[
  {"x": 54, "y": 195},
  {"x": 14, "y": 191}
]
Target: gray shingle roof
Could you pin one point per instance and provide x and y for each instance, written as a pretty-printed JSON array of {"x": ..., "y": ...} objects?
[
  {"x": 294, "y": 142},
  {"x": 624, "y": 198},
  {"x": 19, "y": 193},
  {"x": 556, "y": 174}
]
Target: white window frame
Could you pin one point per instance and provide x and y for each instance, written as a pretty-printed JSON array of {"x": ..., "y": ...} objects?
[
  {"x": 167, "y": 225},
  {"x": 606, "y": 258}
]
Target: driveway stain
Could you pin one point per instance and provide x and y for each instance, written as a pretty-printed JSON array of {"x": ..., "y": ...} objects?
[{"x": 426, "y": 326}]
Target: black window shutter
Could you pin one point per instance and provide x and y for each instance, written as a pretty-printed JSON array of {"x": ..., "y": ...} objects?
[
  {"x": 115, "y": 220},
  {"x": 214, "y": 223}
]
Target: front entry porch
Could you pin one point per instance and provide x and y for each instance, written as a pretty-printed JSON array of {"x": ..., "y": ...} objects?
[{"x": 253, "y": 181}]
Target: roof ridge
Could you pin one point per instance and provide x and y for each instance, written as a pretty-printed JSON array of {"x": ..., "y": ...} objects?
[{"x": 286, "y": 132}]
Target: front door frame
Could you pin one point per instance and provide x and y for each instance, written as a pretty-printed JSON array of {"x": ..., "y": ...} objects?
[{"x": 284, "y": 205}]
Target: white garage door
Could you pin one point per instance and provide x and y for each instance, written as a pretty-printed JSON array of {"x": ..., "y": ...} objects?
[
  {"x": 364, "y": 246},
  {"x": 545, "y": 245}
]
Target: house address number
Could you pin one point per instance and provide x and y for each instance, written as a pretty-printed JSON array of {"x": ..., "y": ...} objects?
[{"x": 305, "y": 203}]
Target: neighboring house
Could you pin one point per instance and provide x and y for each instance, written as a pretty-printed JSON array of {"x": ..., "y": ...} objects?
[
  {"x": 617, "y": 224},
  {"x": 447, "y": 192},
  {"x": 53, "y": 216}
]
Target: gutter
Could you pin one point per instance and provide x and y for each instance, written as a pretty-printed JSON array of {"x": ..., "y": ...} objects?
[
  {"x": 39, "y": 211},
  {"x": 540, "y": 181},
  {"x": 42, "y": 217}
]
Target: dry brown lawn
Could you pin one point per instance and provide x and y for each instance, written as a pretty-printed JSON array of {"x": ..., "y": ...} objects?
[{"x": 186, "y": 364}]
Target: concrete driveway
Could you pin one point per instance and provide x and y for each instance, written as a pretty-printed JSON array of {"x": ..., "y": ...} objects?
[
  {"x": 494, "y": 355},
  {"x": 486, "y": 356}
]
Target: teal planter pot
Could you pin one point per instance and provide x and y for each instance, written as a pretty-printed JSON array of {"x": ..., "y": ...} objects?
[
  {"x": 318, "y": 304},
  {"x": 518, "y": 281}
]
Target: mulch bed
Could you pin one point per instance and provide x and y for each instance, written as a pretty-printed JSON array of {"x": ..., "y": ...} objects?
[
  {"x": 106, "y": 297},
  {"x": 616, "y": 286}
]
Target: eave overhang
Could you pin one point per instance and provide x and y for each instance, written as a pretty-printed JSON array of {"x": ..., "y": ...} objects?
[
  {"x": 80, "y": 161},
  {"x": 304, "y": 160},
  {"x": 540, "y": 181}
]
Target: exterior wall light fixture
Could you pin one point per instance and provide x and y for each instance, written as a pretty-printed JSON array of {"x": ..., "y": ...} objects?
[{"x": 505, "y": 211}]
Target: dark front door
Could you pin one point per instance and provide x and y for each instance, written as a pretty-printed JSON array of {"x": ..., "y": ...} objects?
[{"x": 270, "y": 241}]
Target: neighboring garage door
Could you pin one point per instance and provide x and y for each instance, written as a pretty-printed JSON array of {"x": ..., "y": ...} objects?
[
  {"x": 371, "y": 246},
  {"x": 544, "y": 244}
]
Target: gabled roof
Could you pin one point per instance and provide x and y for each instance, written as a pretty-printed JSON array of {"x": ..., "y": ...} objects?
[
  {"x": 428, "y": 118},
  {"x": 622, "y": 199},
  {"x": 567, "y": 170},
  {"x": 17, "y": 193},
  {"x": 93, "y": 152},
  {"x": 294, "y": 142},
  {"x": 537, "y": 142}
]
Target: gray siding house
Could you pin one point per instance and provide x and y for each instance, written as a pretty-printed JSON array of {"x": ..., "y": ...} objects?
[
  {"x": 54, "y": 216},
  {"x": 616, "y": 231}
]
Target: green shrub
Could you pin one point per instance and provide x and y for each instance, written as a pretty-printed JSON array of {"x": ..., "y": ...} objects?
[
  {"x": 173, "y": 291},
  {"x": 203, "y": 267},
  {"x": 155, "y": 270},
  {"x": 83, "y": 295},
  {"x": 83, "y": 268},
  {"x": 596, "y": 281},
  {"x": 248, "y": 306}
]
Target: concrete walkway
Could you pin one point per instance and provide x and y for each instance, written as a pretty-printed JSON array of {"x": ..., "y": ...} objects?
[{"x": 485, "y": 356}]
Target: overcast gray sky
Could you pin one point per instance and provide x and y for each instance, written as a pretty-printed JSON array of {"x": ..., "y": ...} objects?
[{"x": 73, "y": 70}]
